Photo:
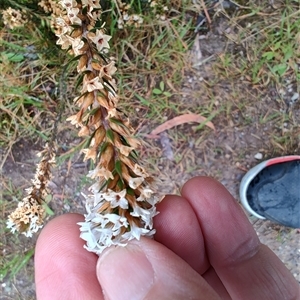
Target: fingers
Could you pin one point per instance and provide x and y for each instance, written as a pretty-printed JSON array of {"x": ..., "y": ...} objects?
[
  {"x": 63, "y": 268},
  {"x": 247, "y": 269},
  {"x": 177, "y": 228},
  {"x": 146, "y": 269}
]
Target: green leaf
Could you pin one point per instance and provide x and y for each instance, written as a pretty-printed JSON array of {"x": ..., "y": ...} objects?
[
  {"x": 130, "y": 191},
  {"x": 277, "y": 45},
  {"x": 280, "y": 69},
  {"x": 48, "y": 210},
  {"x": 120, "y": 184},
  {"x": 12, "y": 267},
  {"x": 118, "y": 168},
  {"x": 167, "y": 94},
  {"x": 79, "y": 81},
  {"x": 269, "y": 55},
  {"x": 13, "y": 57},
  {"x": 116, "y": 121},
  {"x": 162, "y": 86},
  {"x": 22, "y": 262},
  {"x": 82, "y": 95},
  {"x": 134, "y": 155},
  {"x": 110, "y": 134},
  {"x": 103, "y": 147},
  {"x": 157, "y": 91},
  {"x": 288, "y": 53}
]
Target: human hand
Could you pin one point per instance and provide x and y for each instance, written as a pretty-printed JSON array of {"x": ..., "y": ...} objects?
[{"x": 204, "y": 248}]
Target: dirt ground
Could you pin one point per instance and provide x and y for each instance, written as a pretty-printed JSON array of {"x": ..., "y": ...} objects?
[{"x": 243, "y": 129}]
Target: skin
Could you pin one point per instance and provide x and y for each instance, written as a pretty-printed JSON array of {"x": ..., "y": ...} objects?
[{"x": 204, "y": 248}]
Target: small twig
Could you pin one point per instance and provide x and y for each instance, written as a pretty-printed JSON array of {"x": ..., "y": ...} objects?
[
  {"x": 204, "y": 61},
  {"x": 205, "y": 12}
]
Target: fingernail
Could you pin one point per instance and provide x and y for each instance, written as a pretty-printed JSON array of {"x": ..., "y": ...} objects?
[{"x": 125, "y": 273}]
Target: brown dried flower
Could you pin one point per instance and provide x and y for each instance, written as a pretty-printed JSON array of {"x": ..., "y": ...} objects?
[{"x": 13, "y": 18}]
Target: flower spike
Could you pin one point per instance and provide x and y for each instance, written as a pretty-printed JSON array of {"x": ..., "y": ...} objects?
[{"x": 121, "y": 203}]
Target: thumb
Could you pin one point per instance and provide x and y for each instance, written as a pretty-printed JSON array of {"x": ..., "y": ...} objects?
[{"x": 146, "y": 269}]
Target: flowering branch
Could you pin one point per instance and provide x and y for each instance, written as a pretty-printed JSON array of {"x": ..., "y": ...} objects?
[
  {"x": 28, "y": 216},
  {"x": 121, "y": 205}
]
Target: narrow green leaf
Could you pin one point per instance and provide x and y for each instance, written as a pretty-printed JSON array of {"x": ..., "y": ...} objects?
[
  {"x": 93, "y": 111},
  {"x": 22, "y": 262},
  {"x": 48, "y": 210},
  {"x": 116, "y": 121},
  {"x": 120, "y": 184},
  {"x": 143, "y": 100},
  {"x": 79, "y": 81},
  {"x": 103, "y": 147},
  {"x": 110, "y": 134},
  {"x": 118, "y": 168},
  {"x": 82, "y": 95},
  {"x": 67, "y": 65},
  {"x": 134, "y": 155}
]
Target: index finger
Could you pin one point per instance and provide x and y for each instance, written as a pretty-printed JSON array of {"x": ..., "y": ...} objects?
[
  {"x": 63, "y": 268},
  {"x": 248, "y": 269}
]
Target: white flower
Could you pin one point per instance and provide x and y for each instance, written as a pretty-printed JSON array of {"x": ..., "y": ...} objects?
[
  {"x": 108, "y": 70},
  {"x": 125, "y": 17},
  {"x": 146, "y": 215},
  {"x": 100, "y": 172},
  {"x": 102, "y": 229},
  {"x": 77, "y": 44},
  {"x": 136, "y": 232},
  {"x": 99, "y": 39},
  {"x": 68, "y": 3},
  {"x": 11, "y": 225},
  {"x": 125, "y": 150},
  {"x": 73, "y": 16},
  {"x": 134, "y": 183},
  {"x": 95, "y": 188},
  {"x": 33, "y": 228},
  {"x": 120, "y": 24},
  {"x": 146, "y": 193},
  {"x": 64, "y": 41},
  {"x": 137, "y": 19},
  {"x": 65, "y": 28},
  {"x": 92, "y": 85},
  {"x": 116, "y": 199},
  {"x": 139, "y": 171}
]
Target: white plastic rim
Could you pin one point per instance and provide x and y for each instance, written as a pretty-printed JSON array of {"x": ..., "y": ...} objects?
[
  {"x": 252, "y": 173},
  {"x": 244, "y": 187}
]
